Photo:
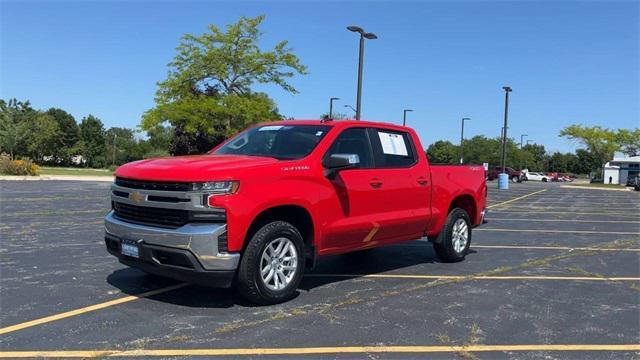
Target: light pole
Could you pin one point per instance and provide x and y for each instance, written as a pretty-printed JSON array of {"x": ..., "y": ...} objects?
[
  {"x": 507, "y": 90},
  {"x": 363, "y": 35},
  {"x": 404, "y": 116},
  {"x": 331, "y": 100},
  {"x": 462, "y": 140},
  {"x": 115, "y": 136},
  {"x": 522, "y": 137},
  {"x": 528, "y": 141}
]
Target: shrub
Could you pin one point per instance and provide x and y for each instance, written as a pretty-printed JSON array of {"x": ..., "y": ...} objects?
[{"x": 17, "y": 167}]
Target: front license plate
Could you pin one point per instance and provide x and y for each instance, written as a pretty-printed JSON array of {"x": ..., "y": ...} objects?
[{"x": 130, "y": 249}]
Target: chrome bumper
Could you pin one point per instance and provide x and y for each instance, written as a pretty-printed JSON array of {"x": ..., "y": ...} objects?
[{"x": 199, "y": 239}]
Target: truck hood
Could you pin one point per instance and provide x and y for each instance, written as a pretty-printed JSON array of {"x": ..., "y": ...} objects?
[{"x": 191, "y": 168}]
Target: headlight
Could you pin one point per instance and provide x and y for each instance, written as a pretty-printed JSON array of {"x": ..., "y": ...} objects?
[{"x": 217, "y": 187}]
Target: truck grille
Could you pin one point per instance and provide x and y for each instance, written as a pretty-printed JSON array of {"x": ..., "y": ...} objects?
[
  {"x": 169, "y": 218},
  {"x": 153, "y": 185}
]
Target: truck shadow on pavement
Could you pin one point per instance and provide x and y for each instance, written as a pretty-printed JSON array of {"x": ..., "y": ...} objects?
[{"x": 374, "y": 261}]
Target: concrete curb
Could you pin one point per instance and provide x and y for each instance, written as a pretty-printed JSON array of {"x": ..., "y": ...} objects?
[
  {"x": 594, "y": 188},
  {"x": 57, "y": 178}
]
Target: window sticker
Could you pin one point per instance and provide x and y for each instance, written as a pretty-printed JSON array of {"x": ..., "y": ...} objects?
[
  {"x": 319, "y": 133},
  {"x": 393, "y": 144},
  {"x": 271, "y": 128}
]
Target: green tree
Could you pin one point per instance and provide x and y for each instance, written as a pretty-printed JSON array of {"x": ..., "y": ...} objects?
[
  {"x": 92, "y": 141},
  {"x": 586, "y": 162},
  {"x": 443, "y": 152},
  {"x": 629, "y": 141},
  {"x": 538, "y": 156},
  {"x": 69, "y": 135},
  {"x": 43, "y": 138},
  {"x": 208, "y": 94},
  {"x": 601, "y": 143},
  {"x": 14, "y": 120}
]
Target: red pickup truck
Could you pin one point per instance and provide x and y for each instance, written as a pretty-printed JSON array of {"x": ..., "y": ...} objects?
[{"x": 259, "y": 209}]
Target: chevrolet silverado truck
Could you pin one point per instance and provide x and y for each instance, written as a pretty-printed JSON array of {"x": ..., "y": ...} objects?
[{"x": 261, "y": 208}]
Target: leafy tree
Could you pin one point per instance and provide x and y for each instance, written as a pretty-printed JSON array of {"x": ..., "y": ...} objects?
[
  {"x": 43, "y": 138},
  {"x": 602, "y": 143},
  {"x": 586, "y": 162},
  {"x": 559, "y": 162},
  {"x": 160, "y": 137},
  {"x": 14, "y": 116},
  {"x": 127, "y": 148},
  {"x": 443, "y": 152},
  {"x": 629, "y": 141},
  {"x": 207, "y": 95},
  {"x": 69, "y": 135},
  {"x": 336, "y": 116},
  {"x": 92, "y": 141}
]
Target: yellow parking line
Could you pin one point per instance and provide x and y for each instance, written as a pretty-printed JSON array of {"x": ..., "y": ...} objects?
[
  {"x": 322, "y": 350},
  {"x": 515, "y": 199},
  {"x": 551, "y": 248},
  {"x": 476, "y": 277},
  {"x": 87, "y": 309},
  {"x": 561, "y": 231},
  {"x": 567, "y": 220}
]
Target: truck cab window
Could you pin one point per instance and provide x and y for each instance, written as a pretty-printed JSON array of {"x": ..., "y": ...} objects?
[
  {"x": 353, "y": 141},
  {"x": 392, "y": 149}
]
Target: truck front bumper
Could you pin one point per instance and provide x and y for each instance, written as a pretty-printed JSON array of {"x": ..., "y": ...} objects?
[{"x": 188, "y": 253}]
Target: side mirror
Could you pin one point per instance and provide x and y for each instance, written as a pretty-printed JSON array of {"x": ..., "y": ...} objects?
[{"x": 337, "y": 162}]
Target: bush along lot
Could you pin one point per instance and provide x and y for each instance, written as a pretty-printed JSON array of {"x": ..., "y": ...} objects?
[{"x": 17, "y": 167}]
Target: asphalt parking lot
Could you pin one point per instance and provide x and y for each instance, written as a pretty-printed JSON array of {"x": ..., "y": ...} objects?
[{"x": 554, "y": 274}]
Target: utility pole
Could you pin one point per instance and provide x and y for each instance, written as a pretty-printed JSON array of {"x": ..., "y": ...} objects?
[
  {"x": 462, "y": 140},
  {"x": 507, "y": 90},
  {"x": 522, "y": 137}
]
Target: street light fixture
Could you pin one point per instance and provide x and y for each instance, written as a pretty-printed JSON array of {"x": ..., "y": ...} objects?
[
  {"x": 404, "y": 116},
  {"x": 351, "y": 107},
  {"x": 363, "y": 35},
  {"x": 331, "y": 100},
  {"x": 522, "y": 137},
  {"x": 462, "y": 140},
  {"x": 528, "y": 141},
  {"x": 507, "y": 90}
]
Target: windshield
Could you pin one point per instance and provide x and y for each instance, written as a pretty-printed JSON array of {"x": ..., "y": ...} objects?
[{"x": 283, "y": 142}]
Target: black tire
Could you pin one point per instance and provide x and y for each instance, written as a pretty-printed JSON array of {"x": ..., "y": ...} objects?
[
  {"x": 544, "y": 180},
  {"x": 443, "y": 244},
  {"x": 249, "y": 281},
  {"x": 515, "y": 179}
]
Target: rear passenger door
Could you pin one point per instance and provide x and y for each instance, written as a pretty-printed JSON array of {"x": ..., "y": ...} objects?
[{"x": 405, "y": 185}]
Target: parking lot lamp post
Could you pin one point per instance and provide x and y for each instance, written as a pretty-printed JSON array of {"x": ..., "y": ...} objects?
[
  {"x": 507, "y": 90},
  {"x": 331, "y": 100},
  {"x": 350, "y": 107},
  {"x": 528, "y": 141},
  {"x": 522, "y": 137},
  {"x": 363, "y": 35},
  {"x": 115, "y": 136},
  {"x": 462, "y": 140},
  {"x": 404, "y": 116}
]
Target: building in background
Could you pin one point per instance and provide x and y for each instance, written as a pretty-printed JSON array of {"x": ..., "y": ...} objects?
[{"x": 619, "y": 169}]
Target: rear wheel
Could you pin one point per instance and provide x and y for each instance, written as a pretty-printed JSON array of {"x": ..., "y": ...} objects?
[
  {"x": 272, "y": 265},
  {"x": 544, "y": 180},
  {"x": 515, "y": 179},
  {"x": 452, "y": 244}
]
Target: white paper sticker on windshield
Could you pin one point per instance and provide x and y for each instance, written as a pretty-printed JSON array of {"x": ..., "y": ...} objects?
[
  {"x": 271, "y": 128},
  {"x": 393, "y": 144}
]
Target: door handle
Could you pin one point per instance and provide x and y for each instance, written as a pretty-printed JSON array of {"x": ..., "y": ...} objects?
[
  {"x": 375, "y": 183},
  {"x": 423, "y": 181}
]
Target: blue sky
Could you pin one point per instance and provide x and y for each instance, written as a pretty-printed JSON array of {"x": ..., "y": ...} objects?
[{"x": 567, "y": 62}]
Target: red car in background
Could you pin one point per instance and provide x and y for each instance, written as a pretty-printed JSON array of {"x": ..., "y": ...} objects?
[{"x": 514, "y": 175}]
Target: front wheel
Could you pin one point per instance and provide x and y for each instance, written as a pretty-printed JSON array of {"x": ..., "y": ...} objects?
[
  {"x": 544, "y": 180},
  {"x": 272, "y": 265},
  {"x": 515, "y": 179},
  {"x": 452, "y": 244}
]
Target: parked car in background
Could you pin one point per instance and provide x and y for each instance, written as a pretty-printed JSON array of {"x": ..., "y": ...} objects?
[
  {"x": 633, "y": 180},
  {"x": 514, "y": 175},
  {"x": 535, "y": 176}
]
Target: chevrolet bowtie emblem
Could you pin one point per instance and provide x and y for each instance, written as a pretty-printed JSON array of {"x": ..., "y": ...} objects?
[{"x": 136, "y": 196}]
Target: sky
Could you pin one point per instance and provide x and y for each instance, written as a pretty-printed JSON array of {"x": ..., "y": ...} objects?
[{"x": 568, "y": 62}]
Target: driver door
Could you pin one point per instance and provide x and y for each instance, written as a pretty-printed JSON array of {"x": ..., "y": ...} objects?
[{"x": 357, "y": 192}]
